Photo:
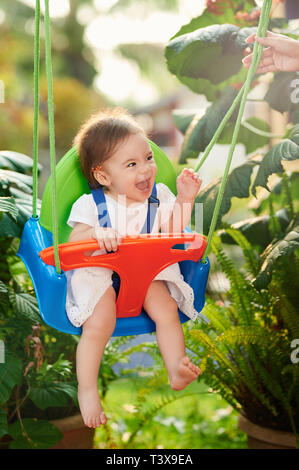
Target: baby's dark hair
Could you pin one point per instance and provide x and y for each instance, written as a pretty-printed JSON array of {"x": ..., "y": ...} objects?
[{"x": 99, "y": 136}]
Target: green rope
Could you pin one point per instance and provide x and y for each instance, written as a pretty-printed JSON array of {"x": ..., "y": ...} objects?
[
  {"x": 257, "y": 52},
  {"x": 36, "y": 108},
  {"x": 51, "y": 136}
]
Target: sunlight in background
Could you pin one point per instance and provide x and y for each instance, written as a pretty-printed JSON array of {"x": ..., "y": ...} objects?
[
  {"x": 120, "y": 79},
  {"x": 105, "y": 32},
  {"x": 57, "y": 8}
]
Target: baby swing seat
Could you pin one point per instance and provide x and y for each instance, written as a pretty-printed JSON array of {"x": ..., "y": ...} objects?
[{"x": 137, "y": 261}]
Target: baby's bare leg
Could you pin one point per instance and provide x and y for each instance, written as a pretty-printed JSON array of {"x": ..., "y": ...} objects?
[
  {"x": 97, "y": 331},
  {"x": 162, "y": 309}
]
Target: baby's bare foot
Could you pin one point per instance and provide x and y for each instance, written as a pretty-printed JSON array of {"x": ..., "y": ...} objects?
[
  {"x": 186, "y": 373},
  {"x": 90, "y": 407}
]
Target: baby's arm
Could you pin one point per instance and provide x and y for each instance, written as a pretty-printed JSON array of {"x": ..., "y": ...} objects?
[
  {"x": 81, "y": 232},
  {"x": 188, "y": 185}
]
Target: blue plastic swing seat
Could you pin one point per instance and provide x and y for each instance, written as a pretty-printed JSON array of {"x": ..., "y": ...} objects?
[{"x": 51, "y": 288}]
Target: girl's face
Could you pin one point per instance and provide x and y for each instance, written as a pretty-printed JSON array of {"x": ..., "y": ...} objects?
[{"x": 131, "y": 170}]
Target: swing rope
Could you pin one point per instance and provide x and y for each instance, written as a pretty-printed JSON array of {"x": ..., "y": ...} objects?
[
  {"x": 50, "y": 119},
  {"x": 242, "y": 95},
  {"x": 36, "y": 107},
  {"x": 240, "y": 98}
]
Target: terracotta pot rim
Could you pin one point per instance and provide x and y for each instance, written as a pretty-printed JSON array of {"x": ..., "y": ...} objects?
[
  {"x": 271, "y": 436},
  {"x": 69, "y": 423}
]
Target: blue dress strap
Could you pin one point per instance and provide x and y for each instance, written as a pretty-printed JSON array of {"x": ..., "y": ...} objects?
[{"x": 103, "y": 214}]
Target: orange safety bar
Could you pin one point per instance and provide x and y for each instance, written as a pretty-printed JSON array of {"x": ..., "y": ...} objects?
[{"x": 137, "y": 261}]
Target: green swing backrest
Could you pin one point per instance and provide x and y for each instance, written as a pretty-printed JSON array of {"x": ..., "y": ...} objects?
[{"x": 71, "y": 184}]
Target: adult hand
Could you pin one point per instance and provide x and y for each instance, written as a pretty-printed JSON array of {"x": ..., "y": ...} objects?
[{"x": 282, "y": 53}]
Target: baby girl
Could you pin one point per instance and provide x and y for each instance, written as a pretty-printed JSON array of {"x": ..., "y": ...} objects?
[{"x": 115, "y": 154}]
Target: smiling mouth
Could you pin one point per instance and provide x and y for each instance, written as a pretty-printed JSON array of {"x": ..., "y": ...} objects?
[{"x": 144, "y": 185}]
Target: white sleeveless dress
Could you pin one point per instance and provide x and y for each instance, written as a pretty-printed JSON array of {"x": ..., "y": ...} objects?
[{"x": 85, "y": 286}]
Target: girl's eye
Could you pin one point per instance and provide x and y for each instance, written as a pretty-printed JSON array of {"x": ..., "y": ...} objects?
[
  {"x": 131, "y": 164},
  {"x": 149, "y": 157}
]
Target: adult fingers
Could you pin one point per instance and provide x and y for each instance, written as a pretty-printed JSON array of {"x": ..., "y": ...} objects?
[
  {"x": 267, "y": 68},
  {"x": 250, "y": 38},
  {"x": 266, "y": 53}
]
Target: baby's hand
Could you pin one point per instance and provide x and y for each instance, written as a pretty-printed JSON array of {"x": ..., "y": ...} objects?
[
  {"x": 188, "y": 184},
  {"x": 108, "y": 238}
]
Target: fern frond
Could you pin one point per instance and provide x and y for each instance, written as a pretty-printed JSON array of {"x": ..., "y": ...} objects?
[
  {"x": 244, "y": 244},
  {"x": 292, "y": 369},
  {"x": 214, "y": 314},
  {"x": 148, "y": 412},
  {"x": 289, "y": 315},
  {"x": 240, "y": 288},
  {"x": 271, "y": 384},
  {"x": 216, "y": 352}
]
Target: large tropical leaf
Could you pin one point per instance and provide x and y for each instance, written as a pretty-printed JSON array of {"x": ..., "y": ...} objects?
[
  {"x": 256, "y": 229},
  {"x": 25, "y": 304},
  {"x": 16, "y": 161},
  {"x": 3, "y": 423},
  {"x": 288, "y": 149},
  {"x": 237, "y": 185},
  {"x": 33, "y": 434},
  {"x": 182, "y": 118},
  {"x": 10, "y": 375},
  {"x": 23, "y": 203},
  {"x": 199, "y": 129},
  {"x": 202, "y": 128},
  {"x": 209, "y": 57},
  {"x": 282, "y": 94},
  {"x": 217, "y": 14},
  {"x": 7, "y": 204},
  {"x": 8, "y": 177},
  {"x": 56, "y": 394},
  {"x": 274, "y": 251},
  {"x": 4, "y": 302}
]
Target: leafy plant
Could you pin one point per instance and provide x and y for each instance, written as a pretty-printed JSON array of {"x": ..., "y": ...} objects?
[
  {"x": 37, "y": 378},
  {"x": 36, "y": 382},
  {"x": 244, "y": 348}
]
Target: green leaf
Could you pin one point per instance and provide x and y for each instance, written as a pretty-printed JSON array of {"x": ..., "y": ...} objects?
[
  {"x": 54, "y": 394},
  {"x": 209, "y": 57},
  {"x": 249, "y": 255},
  {"x": 256, "y": 229},
  {"x": 9, "y": 228},
  {"x": 225, "y": 15},
  {"x": 237, "y": 185},
  {"x": 202, "y": 128},
  {"x": 10, "y": 375},
  {"x": 288, "y": 149},
  {"x": 16, "y": 161},
  {"x": 35, "y": 434},
  {"x": 4, "y": 302},
  {"x": 283, "y": 247},
  {"x": 250, "y": 139},
  {"x": 3, "y": 423},
  {"x": 283, "y": 94},
  {"x": 199, "y": 129},
  {"x": 23, "y": 182},
  {"x": 182, "y": 118},
  {"x": 7, "y": 204},
  {"x": 25, "y": 304}
]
